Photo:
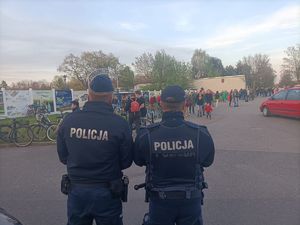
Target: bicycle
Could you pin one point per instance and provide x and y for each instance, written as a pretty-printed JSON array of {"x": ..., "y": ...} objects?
[
  {"x": 40, "y": 129},
  {"x": 34, "y": 109},
  {"x": 19, "y": 134},
  {"x": 53, "y": 128}
]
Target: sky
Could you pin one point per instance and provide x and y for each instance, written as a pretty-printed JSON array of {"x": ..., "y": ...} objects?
[{"x": 36, "y": 35}]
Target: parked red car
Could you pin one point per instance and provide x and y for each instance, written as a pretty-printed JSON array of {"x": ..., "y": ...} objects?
[{"x": 283, "y": 103}]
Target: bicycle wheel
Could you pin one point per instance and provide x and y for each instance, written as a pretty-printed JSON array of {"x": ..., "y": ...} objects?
[
  {"x": 52, "y": 132},
  {"x": 22, "y": 136},
  {"x": 4, "y": 133},
  {"x": 39, "y": 132}
]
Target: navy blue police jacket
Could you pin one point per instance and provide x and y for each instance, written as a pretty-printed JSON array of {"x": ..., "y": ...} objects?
[
  {"x": 95, "y": 144},
  {"x": 174, "y": 151}
]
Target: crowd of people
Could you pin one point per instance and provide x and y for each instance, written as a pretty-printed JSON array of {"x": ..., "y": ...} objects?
[{"x": 199, "y": 103}]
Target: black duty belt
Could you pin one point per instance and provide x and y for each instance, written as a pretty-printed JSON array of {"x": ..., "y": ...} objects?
[
  {"x": 176, "y": 194},
  {"x": 92, "y": 185}
]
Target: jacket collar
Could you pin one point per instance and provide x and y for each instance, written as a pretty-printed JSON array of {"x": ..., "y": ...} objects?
[
  {"x": 172, "y": 115},
  {"x": 97, "y": 107}
]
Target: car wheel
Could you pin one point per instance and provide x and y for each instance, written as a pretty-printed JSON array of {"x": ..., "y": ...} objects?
[{"x": 266, "y": 111}]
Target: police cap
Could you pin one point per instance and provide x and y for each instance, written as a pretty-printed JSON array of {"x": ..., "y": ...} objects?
[
  {"x": 173, "y": 94},
  {"x": 100, "y": 82}
]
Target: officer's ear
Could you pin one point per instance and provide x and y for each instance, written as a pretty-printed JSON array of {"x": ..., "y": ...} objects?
[{"x": 110, "y": 98}]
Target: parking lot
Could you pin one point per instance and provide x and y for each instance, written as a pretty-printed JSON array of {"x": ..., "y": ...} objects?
[{"x": 254, "y": 179}]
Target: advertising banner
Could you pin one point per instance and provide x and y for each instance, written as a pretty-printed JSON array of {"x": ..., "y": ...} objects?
[
  {"x": 81, "y": 96},
  {"x": 43, "y": 98},
  {"x": 63, "y": 99},
  {"x": 17, "y": 102},
  {"x": 2, "y": 112}
]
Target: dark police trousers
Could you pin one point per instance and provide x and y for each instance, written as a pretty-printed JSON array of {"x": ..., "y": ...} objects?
[
  {"x": 175, "y": 211},
  {"x": 91, "y": 202}
]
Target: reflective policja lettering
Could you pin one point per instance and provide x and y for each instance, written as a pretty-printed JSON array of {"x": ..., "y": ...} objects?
[
  {"x": 173, "y": 145},
  {"x": 89, "y": 134}
]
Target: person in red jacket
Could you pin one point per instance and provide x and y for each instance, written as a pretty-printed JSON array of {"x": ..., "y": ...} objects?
[{"x": 208, "y": 110}]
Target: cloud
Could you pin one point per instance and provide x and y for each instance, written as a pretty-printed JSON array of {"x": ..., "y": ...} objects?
[
  {"x": 132, "y": 26},
  {"x": 285, "y": 18},
  {"x": 184, "y": 25}
]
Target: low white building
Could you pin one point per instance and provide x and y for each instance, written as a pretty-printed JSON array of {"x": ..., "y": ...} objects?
[{"x": 224, "y": 83}]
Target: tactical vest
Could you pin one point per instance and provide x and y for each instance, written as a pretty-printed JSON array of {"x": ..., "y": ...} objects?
[{"x": 174, "y": 163}]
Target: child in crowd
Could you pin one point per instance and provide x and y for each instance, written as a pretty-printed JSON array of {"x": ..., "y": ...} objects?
[{"x": 208, "y": 110}]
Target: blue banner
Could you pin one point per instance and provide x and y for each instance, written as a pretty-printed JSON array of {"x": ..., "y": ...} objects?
[{"x": 63, "y": 99}]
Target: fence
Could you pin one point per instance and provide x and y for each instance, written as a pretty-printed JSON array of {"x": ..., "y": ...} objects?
[{"x": 15, "y": 103}]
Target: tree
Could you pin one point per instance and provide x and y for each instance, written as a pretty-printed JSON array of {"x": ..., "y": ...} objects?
[
  {"x": 58, "y": 83},
  {"x": 3, "y": 84},
  {"x": 242, "y": 68},
  {"x": 126, "y": 78},
  {"x": 80, "y": 67},
  {"x": 144, "y": 64},
  {"x": 204, "y": 65},
  {"x": 230, "y": 70},
  {"x": 168, "y": 71},
  {"x": 258, "y": 71},
  {"x": 214, "y": 67},
  {"x": 291, "y": 63},
  {"x": 76, "y": 85},
  {"x": 286, "y": 79},
  {"x": 35, "y": 85},
  {"x": 199, "y": 62}
]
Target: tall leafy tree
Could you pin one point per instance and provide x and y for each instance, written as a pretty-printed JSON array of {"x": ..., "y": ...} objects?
[
  {"x": 76, "y": 85},
  {"x": 286, "y": 79},
  {"x": 144, "y": 64},
  {"x": 199, "y": 63},
  {"x": 204, "y": 65},
  {"x": 126, "y": 78},
  {"x": 168, "y": 71},
  {"x": 291, "y": 63},
  {"x": 58, "y": 83},
  {"x": 214, "y": 67},
  {"x": 258, "y": 71},
  {"x": 3, "y": 84},
  {"x": 243, "y": 68},
  {"x": 230, "y": 70},
  {"x": 79, "y": 67}
]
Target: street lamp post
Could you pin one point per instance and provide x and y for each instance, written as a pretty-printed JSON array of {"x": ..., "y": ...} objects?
[{"x": 65, "y": 81}]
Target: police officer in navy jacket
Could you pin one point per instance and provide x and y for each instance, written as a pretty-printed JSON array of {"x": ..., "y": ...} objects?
[
  {"x": 96, "y": 145},
  {"x": 174, "y": 152}
]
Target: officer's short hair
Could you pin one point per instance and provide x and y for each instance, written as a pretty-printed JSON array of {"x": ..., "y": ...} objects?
[
  {"x": 103, "y": 96},
  {"x": 176, "y": 106}
]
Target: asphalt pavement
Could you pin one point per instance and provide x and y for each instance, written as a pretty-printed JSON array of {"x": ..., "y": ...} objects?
[{"x": 255, "y": 179}]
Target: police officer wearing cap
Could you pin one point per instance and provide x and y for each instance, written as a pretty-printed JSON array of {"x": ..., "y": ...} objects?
[
  {"x": 96, "y": 145},
  {"x": 174, "y": 152}
]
